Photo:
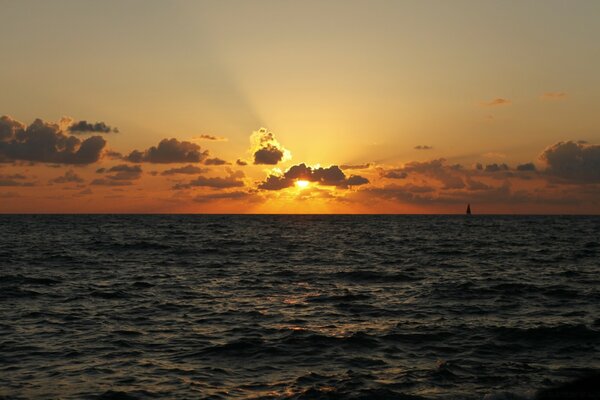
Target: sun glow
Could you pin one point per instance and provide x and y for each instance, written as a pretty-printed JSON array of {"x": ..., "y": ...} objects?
[{"x": 302, "y": 184}]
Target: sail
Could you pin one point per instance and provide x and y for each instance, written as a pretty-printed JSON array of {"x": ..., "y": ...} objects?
[{"x": 468, "y": 209}]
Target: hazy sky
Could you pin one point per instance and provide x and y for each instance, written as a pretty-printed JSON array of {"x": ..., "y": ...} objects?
[{"x": 335, "y": 83}]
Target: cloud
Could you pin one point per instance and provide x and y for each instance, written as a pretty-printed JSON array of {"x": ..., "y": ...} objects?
[
  {"x": 355, "y": 166},
  {"x": 109, "y": 182},
  {"x": 125, "y": 172},
  {"x": 554, "y": 96},
  {"x": 87, "y": 127},
  {"x": 269, "y": 155},
  {"x": 187, "y": 170},
  {"x": 526, "y": 167},
  {"x": 215, "y": 161},
  {"x": 573, "y": 161},
  {"x": 480, "y": 194},
  {"x": 274, "y": 182},
  {"x": 237, "y": 195},
  {"x": 69, "y": 177},
  {"x": 423, "y": 147},
  {"x": 496, "y": 167},
  {"x": 404, "y": 193},
  {"x": 241, "y": 163},
  {"x": 169, "y": 151},
  {"x": 231, "y": 181},
  {"x": 45, "y": 142},
  {"x": 119, "y": 175},
  {"x": 266, "y": 149},
  {"x": 496, "y": 102},
  {"x": 330, "y": 176},
  {"x": 356, "y": 180},
  {"x": 438, "y": 170},
  {"x": 394, "y": 174},
  {"x": 14, "y": 180},
  {"x": 210, "y": 137},
  {"x": 9, "y": 128},
  {"x": 476, "y": 185}
]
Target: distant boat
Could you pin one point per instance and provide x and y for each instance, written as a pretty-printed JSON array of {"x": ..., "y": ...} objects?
[{"x": 468, "y": 209}]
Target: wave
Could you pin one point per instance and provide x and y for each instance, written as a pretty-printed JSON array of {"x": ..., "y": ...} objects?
[
  {"x": 28, "y": 280},
  {"x": 554, "y": 334},
  {"x": 374, "y": 276}
]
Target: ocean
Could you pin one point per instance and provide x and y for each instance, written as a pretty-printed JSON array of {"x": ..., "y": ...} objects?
[{"x": 296, "y": 306}]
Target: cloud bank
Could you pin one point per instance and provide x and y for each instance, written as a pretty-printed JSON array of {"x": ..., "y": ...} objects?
[
  {"x": 330, "y": 176},
  {"x": 45, "y": 142},
  {"x": 169, "y": 151}
]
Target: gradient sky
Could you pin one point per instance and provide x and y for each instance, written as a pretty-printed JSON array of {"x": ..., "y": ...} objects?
[{"x": 392, "y": 106}]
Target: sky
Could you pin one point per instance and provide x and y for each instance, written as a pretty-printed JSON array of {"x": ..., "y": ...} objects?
[{"x": 299, "y": 107}]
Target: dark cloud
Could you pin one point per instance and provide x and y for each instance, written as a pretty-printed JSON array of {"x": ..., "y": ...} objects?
[
  {"x": 119, "y": 175},
  {"x": 275, "y": 183},
  {"x": 394, "y": 174},
  {"x": 215, "y": 161},
  {"x": 266, "y": 149},
  {"x": 423, "y": 147},
  {"x": 45, "y": 142},
  {"x": 69, "y": 177},
  {"x": 211, "y": 137},
  {"x": 169, "y": 151},
  {"x": 572, "y": 161},
  {"x": 187, "y": 170},
  {"x": 496, "y": 167},
  {"x": 526, "y": 167},
  {"x": 125, "y": 172},
  {"x": 9, "y": 128},
  {"x": 269, "y": 155},
  {"x": 355, "y": 166},
  {"x": 356, "y": 180},
  {"x": 231, "y": 181},
  {"x": 88, "y": 127},
  {"x": 330, "y": 176},
  {"x": 241, "y": 163}
]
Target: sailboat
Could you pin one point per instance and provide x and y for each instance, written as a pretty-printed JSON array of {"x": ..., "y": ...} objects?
[{"x": 469, "y": 209}]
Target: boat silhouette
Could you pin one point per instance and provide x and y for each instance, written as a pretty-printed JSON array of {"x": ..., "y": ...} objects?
[{"x": 469, "y": 209}]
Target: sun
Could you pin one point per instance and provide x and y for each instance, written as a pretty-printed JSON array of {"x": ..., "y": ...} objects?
[{"x": 302, "y": 184}]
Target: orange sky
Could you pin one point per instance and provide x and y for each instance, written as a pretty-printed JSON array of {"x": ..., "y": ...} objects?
[{"x": 382, "y": 107}]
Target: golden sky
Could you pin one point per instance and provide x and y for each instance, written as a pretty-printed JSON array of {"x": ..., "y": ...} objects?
[{"x": 374, "y": 106}]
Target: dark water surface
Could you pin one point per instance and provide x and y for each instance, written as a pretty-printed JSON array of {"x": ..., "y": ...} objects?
[{"x": 440, "y": 307}]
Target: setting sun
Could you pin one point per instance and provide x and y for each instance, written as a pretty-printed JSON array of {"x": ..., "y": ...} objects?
[{"x": 302, "y": 184}]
